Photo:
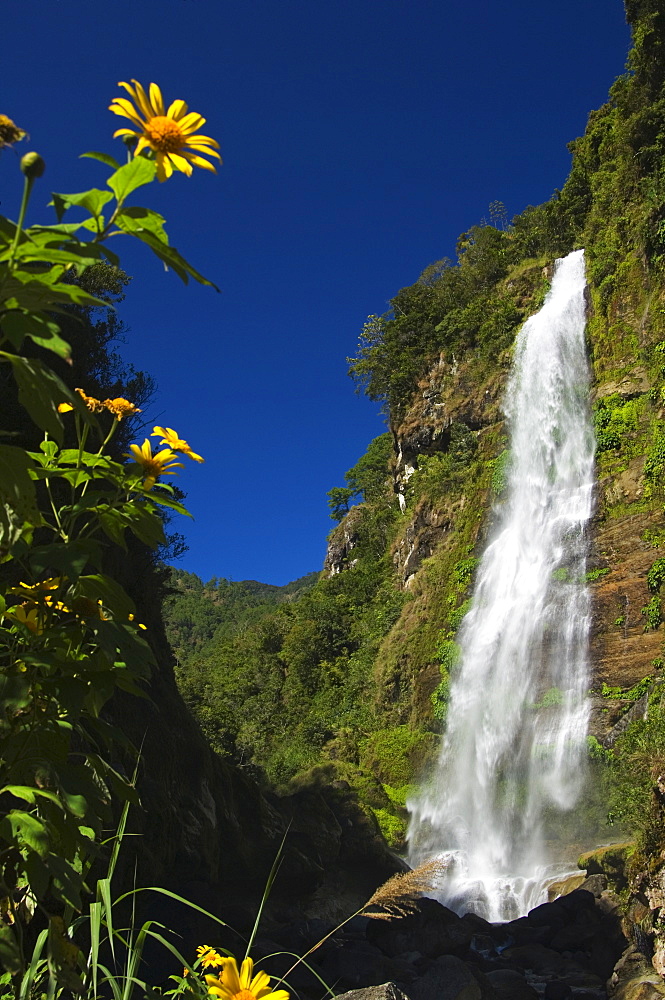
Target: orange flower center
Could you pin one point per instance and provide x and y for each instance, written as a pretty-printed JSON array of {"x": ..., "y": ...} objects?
[
  {"x": 244, "y": 995},
  {"x": 164, "y": 134}
]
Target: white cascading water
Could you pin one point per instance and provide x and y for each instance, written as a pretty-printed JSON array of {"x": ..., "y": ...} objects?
[{"x": 517, "y": 719}]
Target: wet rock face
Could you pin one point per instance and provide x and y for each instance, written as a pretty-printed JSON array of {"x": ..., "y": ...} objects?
[{"x": 621, "y": 649}]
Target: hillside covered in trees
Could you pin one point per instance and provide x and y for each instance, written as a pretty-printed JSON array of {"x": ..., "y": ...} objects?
[{"x": 350, "y": 678}]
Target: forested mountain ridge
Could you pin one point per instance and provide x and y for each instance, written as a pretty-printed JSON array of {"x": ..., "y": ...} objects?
[
  {"x": 351, "y": 679},
  {"x": 195, "y": 611}
]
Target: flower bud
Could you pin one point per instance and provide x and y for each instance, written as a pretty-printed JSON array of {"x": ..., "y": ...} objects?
[{"x": 32, "y": 165}]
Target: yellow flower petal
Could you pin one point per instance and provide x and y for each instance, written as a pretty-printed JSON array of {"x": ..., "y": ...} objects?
[
  {"x": 180, "y": 163},
  {"x": 121, "y": 106},
  {"x": 164, "y": 167},
  {"x": 203, "y": 143},
  {"x": 191, "y": 122},
  {"x": 260, "y": 983},
  {"x": 198, "y": 161},
  {"x": 177, "y": 110},
  {"x": 130, "y": 90},
  {"x": 156, "y": 98},
  {"x": 142, "y": 100},
  {"x": 246, "y": 973},
  {"x": 230, "y": 976}
]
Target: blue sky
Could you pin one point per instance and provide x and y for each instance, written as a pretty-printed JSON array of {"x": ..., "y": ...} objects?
[{"x": 359, "y": 140}]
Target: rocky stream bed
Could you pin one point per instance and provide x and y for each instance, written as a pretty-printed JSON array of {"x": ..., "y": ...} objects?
[{"x": 576, "y": 946}]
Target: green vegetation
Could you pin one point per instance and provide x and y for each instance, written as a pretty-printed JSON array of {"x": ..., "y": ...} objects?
[
  {"x": 366, "y": 480},
  {"x": 616, "y": 420},
  {"x": 77, "y": 526},
  {"x": 653, "y": 613},
  {"x": 552, "y": 697},
  {"x": 628, "y": 694}
]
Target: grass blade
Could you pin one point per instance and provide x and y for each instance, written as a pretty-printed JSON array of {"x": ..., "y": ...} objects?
[{"x": 266, "y": 891}]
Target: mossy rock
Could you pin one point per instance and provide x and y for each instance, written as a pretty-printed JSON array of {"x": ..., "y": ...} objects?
[
  {"x": 397, "y": 755},
  {"x": 392, "y": 827},
  {"x": 610, "y": 861}
]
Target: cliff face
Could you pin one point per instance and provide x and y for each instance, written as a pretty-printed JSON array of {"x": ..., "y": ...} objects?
[
  {"x": 210, "y": 832},
  {"x": 613, "y": 204},
  {"x": 438, "y": 531}
]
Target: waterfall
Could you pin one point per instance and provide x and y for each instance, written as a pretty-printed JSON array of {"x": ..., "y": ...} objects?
[{"x": 513, "y": 752}]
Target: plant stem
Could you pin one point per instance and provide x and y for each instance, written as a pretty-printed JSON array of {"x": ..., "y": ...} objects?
[{"x": 27, "y": 188}]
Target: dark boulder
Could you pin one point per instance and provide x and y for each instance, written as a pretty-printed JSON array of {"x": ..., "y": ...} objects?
[
  {"x": 431, "y": 929},
  {"x": 510, "y": 985},
  {"x": 449, "y": 978}
]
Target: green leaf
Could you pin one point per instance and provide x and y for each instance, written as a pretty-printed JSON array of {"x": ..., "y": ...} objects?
[
  {"x": 10, "y": 953},
  {"x": 15, "y": 692},
  {"x": 95, "y": 224},
  {"x": 18, "y": 324},
  {"x": 132, "y": 175},
  {"x": 16, "y": 487},
  {"x": 99, "y": 587},
  {"x": 38, "y": 874},
  {"x": 30, "y": 794},
  {"x": 146, "y": 525},
  {"x": 172, "y": 258},
  {"x": 99, "y": 693},
  {"x": 103, "y": 158},
  {"x": 25, "y": 830},
  {"x": 67, "y": 882},
  {"x": 63, "y": 229},
  {"x": 165, "y": 501},
  {"x": 76, "y": 804},
  {"x": 109, "y": 775},
  {"x": 35, "y": 292},
  {"x": 135, "y": 219},
  {"x": 49, "y": 448},
  {"x": 93, "y": 201},
  {"x": 12, "y": 531},
  {"x": 129, "y": 641},
  {"x": 113, "y": 524},
  {"x": 39, "y": 391},
  {"x": 40, "y": 245},
  {"x": 67, "y": 559}
]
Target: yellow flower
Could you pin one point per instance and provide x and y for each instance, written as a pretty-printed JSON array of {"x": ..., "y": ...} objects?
[
  {"x": 35, "y": 589},
  {"x": 233, "y": 986},
  {"x": 120, "y": 407},
  {"x": 28, "y": 615},
  {"x": 167, "y": 132},
  {"x": 209, "y": 957},
  {"x": 64, "y": 407},
  {"x": 57, "y": 605},
  {"x": 9, "y": 132},
  {"x": 90, "y": 401},
  {"x": 154, "y": 466},
  {"x": 170, "y": 438}
]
